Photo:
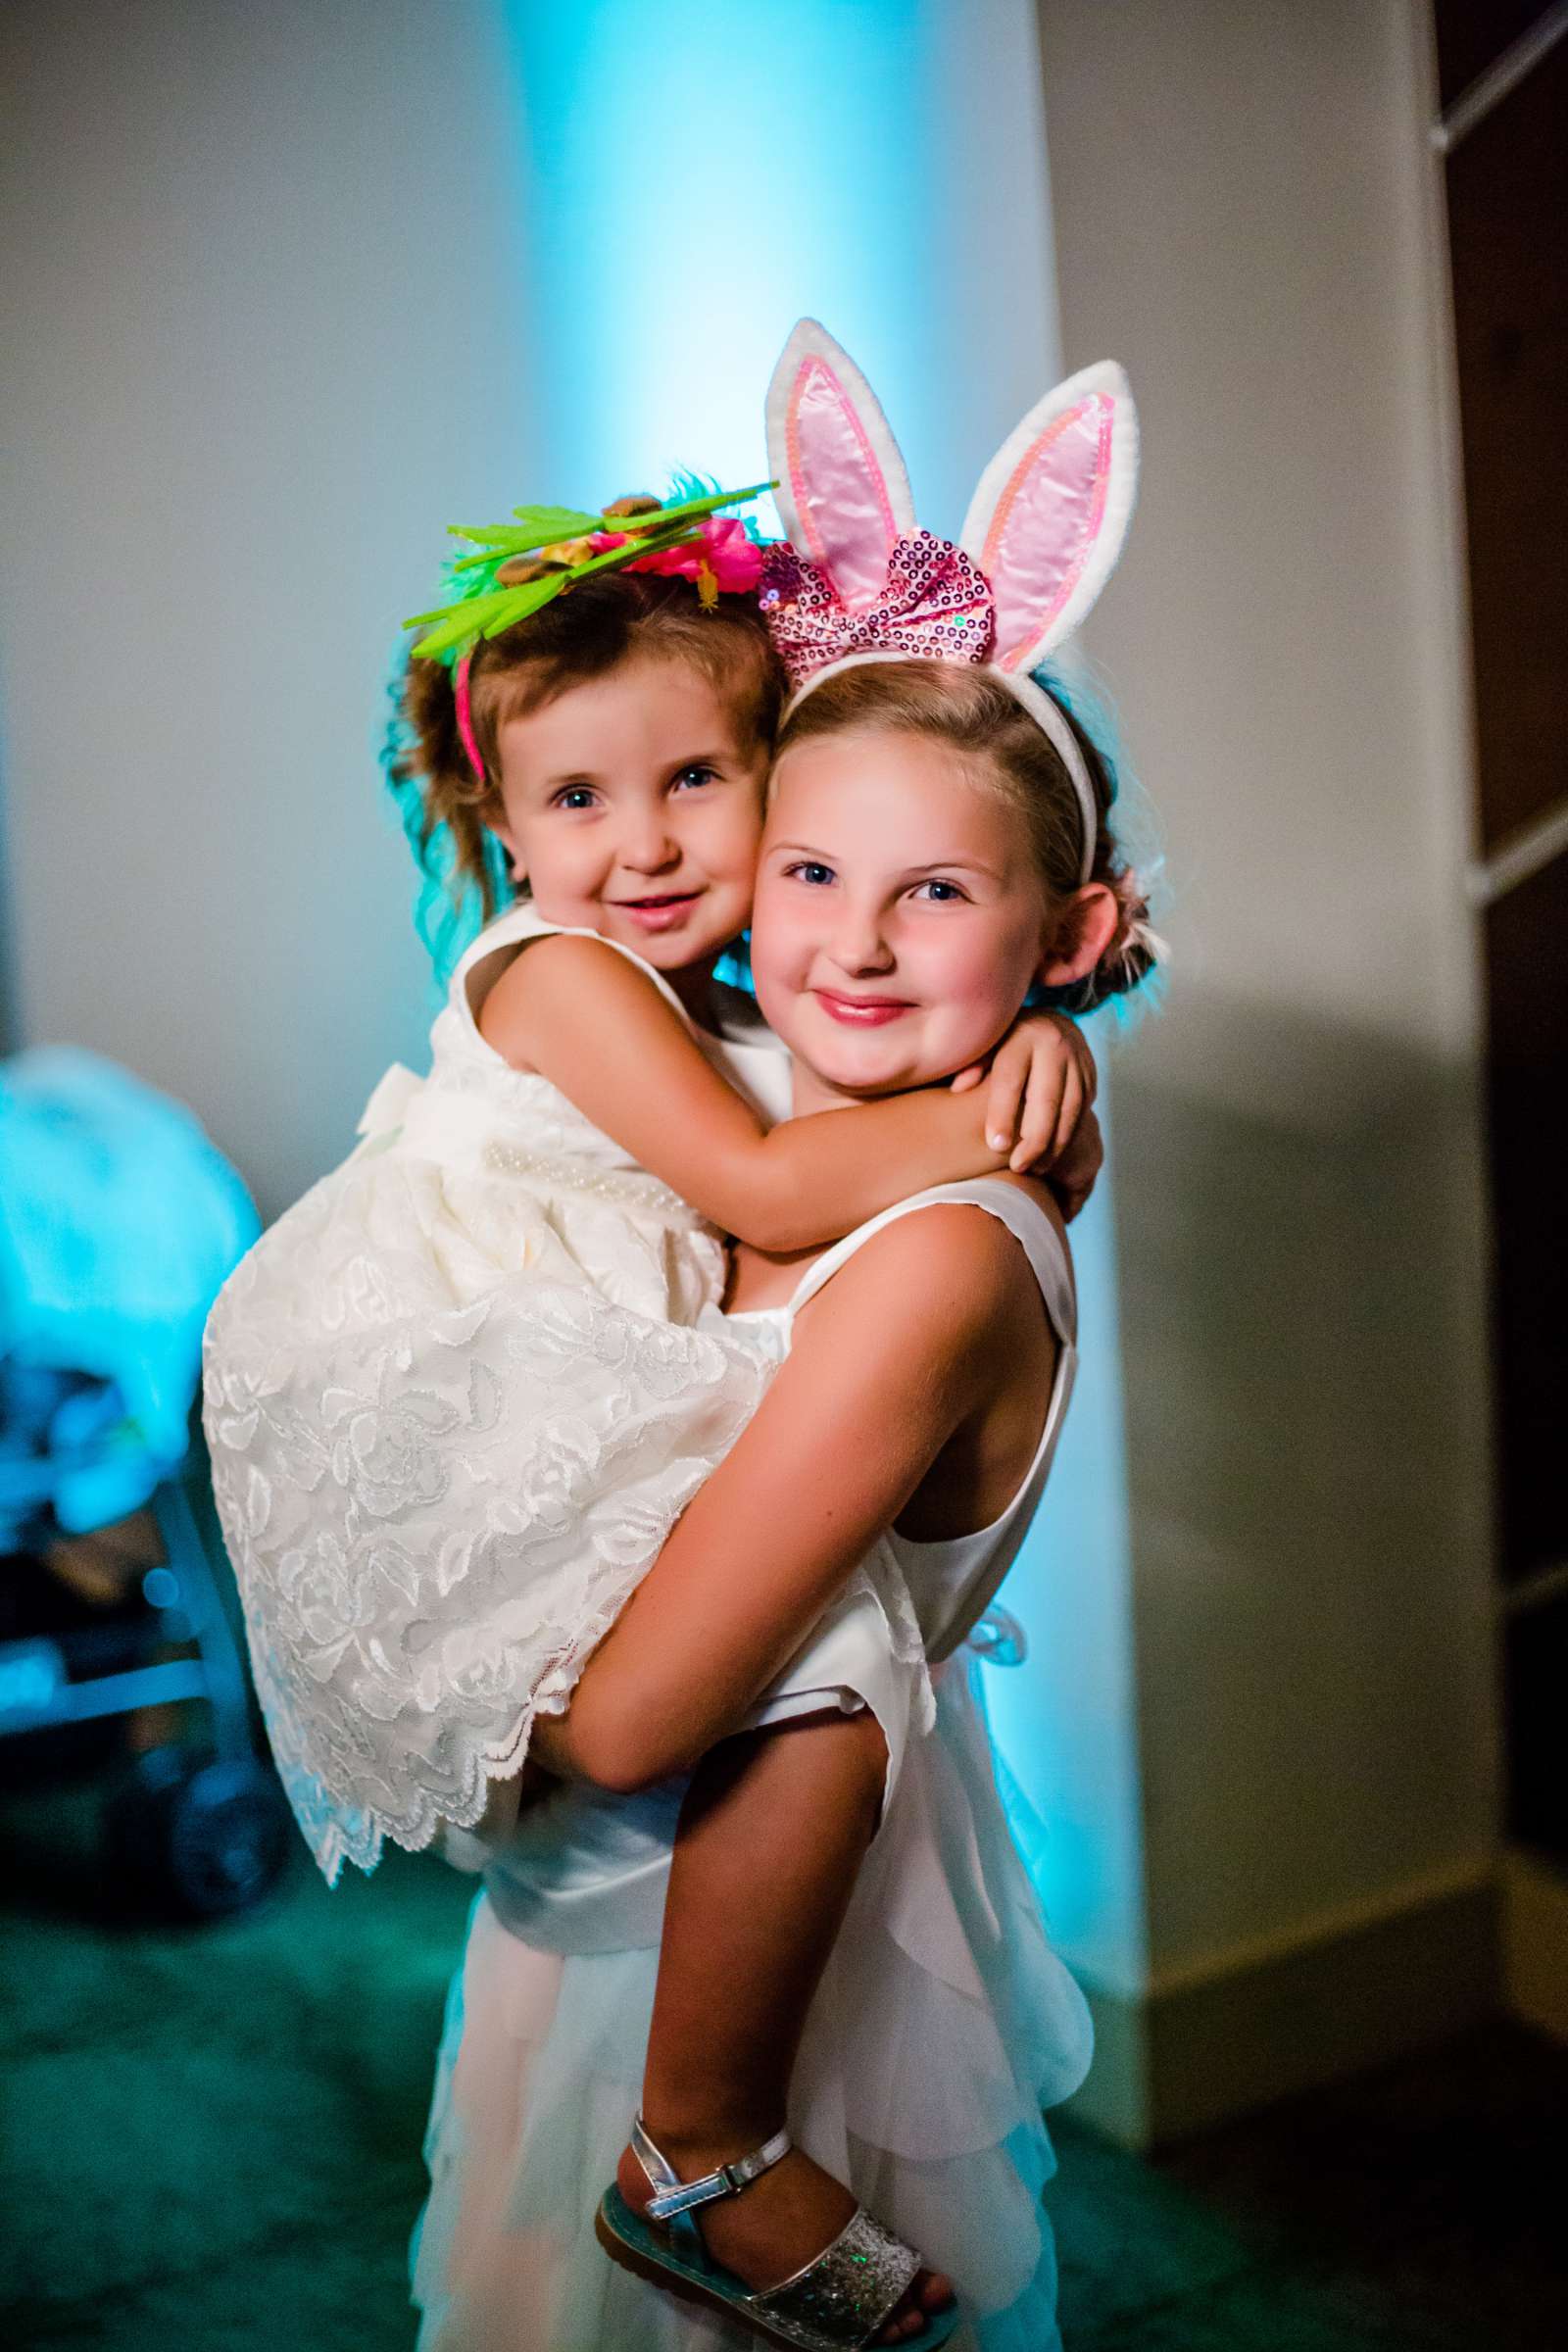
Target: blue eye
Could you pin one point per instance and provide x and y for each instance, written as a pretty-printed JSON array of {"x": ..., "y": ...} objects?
[
  {"x": 943, "y": 894},
  {"x": 695, "y": 775},
  {"x": 574, "y": 795},
  {"x": 811, "y": 872}
]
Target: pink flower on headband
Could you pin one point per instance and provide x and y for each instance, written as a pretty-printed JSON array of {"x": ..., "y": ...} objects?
[
  {"x": 935, "y": 603},
  {"x": 731, "y": 559}
]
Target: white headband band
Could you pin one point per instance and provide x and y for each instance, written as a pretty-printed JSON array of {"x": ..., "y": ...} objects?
[{"x": 1042, "y": 708}]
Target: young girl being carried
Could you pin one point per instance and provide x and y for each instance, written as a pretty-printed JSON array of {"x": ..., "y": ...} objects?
[
  {"x": 939, "y": 843},
  {"x": 460, "y": 1394}
]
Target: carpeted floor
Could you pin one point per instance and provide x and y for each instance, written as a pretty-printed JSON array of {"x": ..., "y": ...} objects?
[{"x": 210, "y": 2142}]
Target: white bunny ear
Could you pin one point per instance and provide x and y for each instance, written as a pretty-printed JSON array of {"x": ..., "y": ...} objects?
[
  {"x": 1051, "y": 510},
  {"x": 843, "y": 495}
]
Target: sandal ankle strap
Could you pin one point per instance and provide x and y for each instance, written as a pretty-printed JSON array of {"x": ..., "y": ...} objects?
[{"x": 672, "y": 2195}]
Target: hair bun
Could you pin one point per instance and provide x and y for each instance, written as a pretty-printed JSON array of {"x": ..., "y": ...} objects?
[{"x": 1136, "y": 948}]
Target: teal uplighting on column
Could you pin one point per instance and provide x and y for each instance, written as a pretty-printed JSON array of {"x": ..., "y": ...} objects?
[{"x": 702, "y": 174}]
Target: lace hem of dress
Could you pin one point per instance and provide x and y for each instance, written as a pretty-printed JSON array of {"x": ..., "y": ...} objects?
[{"x": 337, "y": 1833}]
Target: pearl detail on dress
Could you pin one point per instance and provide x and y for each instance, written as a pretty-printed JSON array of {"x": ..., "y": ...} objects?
[{"x": 624, "y": 1187}]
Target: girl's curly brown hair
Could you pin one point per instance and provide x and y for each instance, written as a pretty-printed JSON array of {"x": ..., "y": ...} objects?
[{"x": 589, "y": 630}]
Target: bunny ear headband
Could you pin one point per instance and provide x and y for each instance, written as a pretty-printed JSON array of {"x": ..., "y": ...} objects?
[{"x": 861, "y": 581}]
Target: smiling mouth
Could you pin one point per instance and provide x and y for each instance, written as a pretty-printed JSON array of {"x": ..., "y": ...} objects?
[
  {"x": 861, "y": 1013},
  {"x": 661, "y": 911}
]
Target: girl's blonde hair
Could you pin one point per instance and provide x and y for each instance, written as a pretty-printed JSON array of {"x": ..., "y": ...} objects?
[{"x": 975, "y": 717}]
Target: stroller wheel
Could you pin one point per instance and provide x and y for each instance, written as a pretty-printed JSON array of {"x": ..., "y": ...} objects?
[{"x": 205, "y": 1834}]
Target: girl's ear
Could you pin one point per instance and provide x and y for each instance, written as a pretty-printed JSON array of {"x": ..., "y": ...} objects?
[
  {"x": 1052, "y": 509},
  {"x": 843, "y": 491},
  {"x": 1083, "y": 930},
  {"x": 498, "y": 825}
]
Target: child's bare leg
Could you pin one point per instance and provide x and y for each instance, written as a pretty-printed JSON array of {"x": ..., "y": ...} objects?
[{"x": 774, "y": 1829}]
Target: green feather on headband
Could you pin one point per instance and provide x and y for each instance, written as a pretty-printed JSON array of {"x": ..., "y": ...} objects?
[{"x": 485, "y": 603}]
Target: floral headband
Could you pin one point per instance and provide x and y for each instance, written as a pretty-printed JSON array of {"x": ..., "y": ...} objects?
[
  {"x": 858, "y": 580},
  {"x": 518, "y": 567}
]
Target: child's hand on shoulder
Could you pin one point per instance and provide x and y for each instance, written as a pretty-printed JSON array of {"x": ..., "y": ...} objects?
[
  {"x": 1040, "y": 1084},
  {"x": 1072, "y": 1176}
]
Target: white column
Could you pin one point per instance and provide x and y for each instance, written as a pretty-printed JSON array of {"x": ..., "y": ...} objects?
[{"x": 1240, "y": 191}]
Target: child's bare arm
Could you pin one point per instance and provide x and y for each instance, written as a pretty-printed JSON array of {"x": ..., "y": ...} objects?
[
  {"x": 894, "y": 1355},
  {"x": 595, "y": 1026}
]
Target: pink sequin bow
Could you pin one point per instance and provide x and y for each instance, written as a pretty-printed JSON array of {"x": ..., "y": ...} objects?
[{"x": 935, "y": 603}]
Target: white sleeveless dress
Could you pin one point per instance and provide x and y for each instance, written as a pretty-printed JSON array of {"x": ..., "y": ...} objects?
[
  {"x": 944, "y": 2024},
  {"x": 455, "y": 1400}
]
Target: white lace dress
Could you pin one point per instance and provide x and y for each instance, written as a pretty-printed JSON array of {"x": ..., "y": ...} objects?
[{"x": 455, "y": 1400}]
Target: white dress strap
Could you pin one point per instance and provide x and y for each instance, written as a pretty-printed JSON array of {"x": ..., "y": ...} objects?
[
  {"x": 1010, "y": 1204},
  {"x": 511, "y": 932}
]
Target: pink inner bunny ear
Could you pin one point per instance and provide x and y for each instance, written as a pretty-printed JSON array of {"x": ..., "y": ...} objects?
[
  {"x": 1052, "y": 511},
  {"x": 844, "y": 495}
]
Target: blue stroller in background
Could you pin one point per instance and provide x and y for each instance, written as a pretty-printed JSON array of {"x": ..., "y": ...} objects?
[{"x": 118, "y": 1223}]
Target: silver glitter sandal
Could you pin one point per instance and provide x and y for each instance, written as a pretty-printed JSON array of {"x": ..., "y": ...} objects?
[{"x": 833, "y": 2304}]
